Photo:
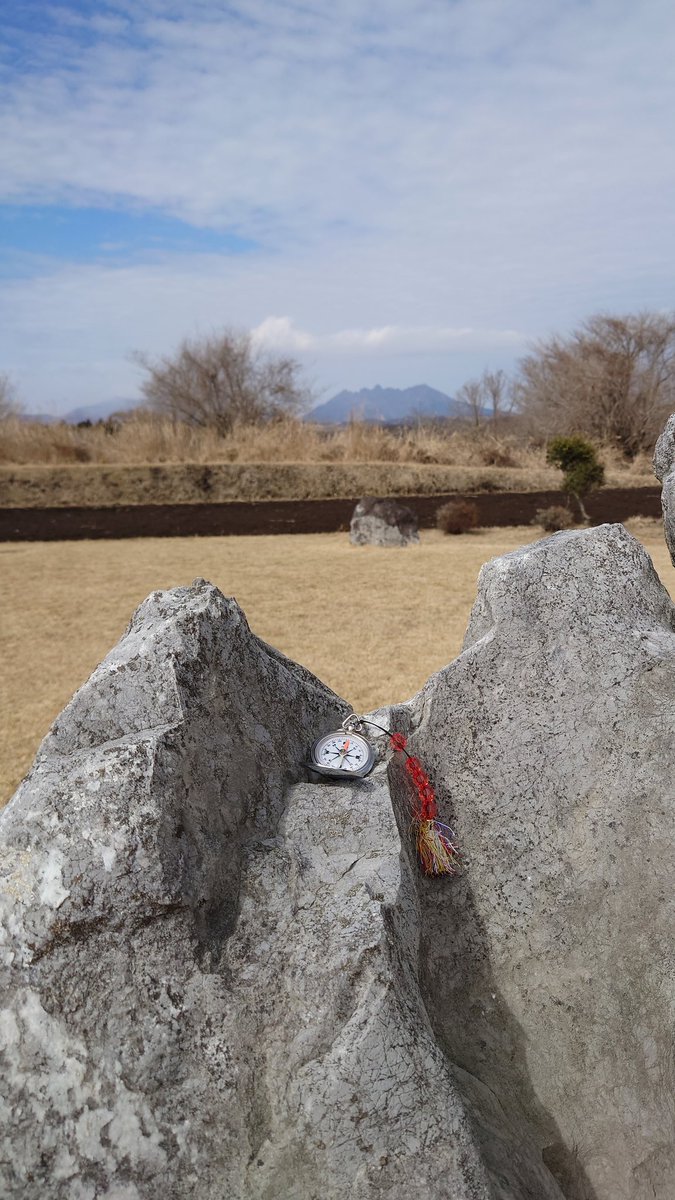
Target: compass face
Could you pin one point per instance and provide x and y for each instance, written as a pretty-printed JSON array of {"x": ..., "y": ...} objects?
[{"x": 343, "y": 752}]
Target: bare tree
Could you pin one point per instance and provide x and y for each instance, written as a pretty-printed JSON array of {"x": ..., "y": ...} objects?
[
  {"x": 9, "y": 403},
  {"x": 497, "y": 393},
  {"x": 613, "y": 380},
  {"x": 470, "y": 394},
  {"x": 488, "y": 398},
  {"x": 224, "y": 380}
]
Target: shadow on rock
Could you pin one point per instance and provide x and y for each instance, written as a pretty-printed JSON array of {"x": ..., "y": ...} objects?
[
  {"x": 485, "y": 1045},
  {"x": 478, "y": 1031}
]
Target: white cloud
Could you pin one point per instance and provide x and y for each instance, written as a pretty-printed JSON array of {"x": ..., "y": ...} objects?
[
  {"x": 280, "y": 333},
  {"x": 422, "y": 177},
  {"x": 283, "y": 121}
]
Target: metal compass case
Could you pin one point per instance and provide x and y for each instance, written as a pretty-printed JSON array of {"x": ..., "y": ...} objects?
[{"x": 343, "y": 753}]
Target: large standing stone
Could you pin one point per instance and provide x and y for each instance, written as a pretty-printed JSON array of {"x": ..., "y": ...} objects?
[
  {"x": 219, "y": 980},
  {"x": 383, "y": 522},
  {"x": 208, "y": 971},
  {"x": 549, "y": 967},
  {"x": 664, "y": 469}
]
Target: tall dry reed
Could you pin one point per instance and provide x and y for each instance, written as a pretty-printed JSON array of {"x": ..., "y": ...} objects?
[{"x": 145, "y": 439}]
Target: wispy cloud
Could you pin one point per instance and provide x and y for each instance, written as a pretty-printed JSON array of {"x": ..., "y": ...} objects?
[
  {"x": 279, "y": 119},
  {"x": 408, "y": 171},
  {"x": 280, "y": 333}
]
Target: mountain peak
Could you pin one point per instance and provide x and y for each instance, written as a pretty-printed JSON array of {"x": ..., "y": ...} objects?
[{"x": 386, "y": 405}]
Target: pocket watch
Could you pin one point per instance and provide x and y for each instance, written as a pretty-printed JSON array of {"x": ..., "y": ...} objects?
[{"x": 343, "y": 753}]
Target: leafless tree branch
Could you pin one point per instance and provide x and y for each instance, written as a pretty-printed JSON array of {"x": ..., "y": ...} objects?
[
  {"x": 222, "y": 381},
  {"x": 612, "y": 380}
]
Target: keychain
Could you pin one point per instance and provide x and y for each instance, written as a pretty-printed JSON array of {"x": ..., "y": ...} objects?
[{"x": 347, "y": 754}]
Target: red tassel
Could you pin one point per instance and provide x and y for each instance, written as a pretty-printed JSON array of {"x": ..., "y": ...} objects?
[{"x": 436, "y": 848}]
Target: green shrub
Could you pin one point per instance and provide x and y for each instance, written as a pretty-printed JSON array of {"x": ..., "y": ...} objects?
[
  {"x": 554, "y": 518},
  {"x": 579, "y": 464},
  {"x": 457, "y": 516}
]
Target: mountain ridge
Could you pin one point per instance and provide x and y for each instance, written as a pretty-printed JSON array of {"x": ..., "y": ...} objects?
[
  {"x": 386, "y": 405},
  {"x": 85, "y": 412}
]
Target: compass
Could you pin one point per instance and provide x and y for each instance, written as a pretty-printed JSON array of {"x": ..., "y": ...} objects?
[
  {"x": 343, "y": 753},
  {"x": 346, "y": 754}
]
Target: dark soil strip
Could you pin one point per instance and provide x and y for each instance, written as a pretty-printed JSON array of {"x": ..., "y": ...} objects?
[{"x": 293, "y": 516}]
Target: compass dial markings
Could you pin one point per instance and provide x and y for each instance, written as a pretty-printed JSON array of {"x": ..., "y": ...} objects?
[{"x": 343, "y": 753}]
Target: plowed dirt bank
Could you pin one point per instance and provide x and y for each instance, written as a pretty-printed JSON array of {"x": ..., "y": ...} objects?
[{"x": 295, "y": 516}]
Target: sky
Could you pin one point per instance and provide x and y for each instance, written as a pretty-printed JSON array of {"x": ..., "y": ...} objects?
[{"x": 394, "y": 192}]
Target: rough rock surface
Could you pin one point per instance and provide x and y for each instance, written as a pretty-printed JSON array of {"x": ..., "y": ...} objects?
[
  {"x": 549, "y": 967},
  {"x": 221, "y": 981},
  {"x": 383, "y": 522},
  {"x": 208, "y": 976},
  {"x": 664, "y": 469}
]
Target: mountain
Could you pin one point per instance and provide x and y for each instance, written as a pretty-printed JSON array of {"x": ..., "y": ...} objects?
[
  {"x": 99, "y": 412},
  {"x": 38, "y": 418},
  {"x": 387, "y": 405},
  {"x": 87, "y": 412}
]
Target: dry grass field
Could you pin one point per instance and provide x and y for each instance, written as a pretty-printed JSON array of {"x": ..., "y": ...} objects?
[
  {"x": 372, "y": 623},
  {"x": 150, "y": 460},
  {"x": 153, "y": 439},
  {"x": 94, "y": 484}
]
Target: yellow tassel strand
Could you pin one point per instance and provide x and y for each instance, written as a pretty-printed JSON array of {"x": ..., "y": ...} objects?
[{"x": 437, "y": 853}]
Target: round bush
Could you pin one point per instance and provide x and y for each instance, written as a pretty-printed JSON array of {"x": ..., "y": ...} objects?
[
  {"x": 554, "y": 518},
  {"x": 457, "y": 516}
]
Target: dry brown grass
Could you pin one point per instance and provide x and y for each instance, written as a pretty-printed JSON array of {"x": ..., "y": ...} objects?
[
  {"x": 189, "y": 483},
  {"x": 372, "y": 623},
  {"x": 157, "y": 440},
  {"x": 154, "y": 461},
  {"x": 153, "y": 439}
]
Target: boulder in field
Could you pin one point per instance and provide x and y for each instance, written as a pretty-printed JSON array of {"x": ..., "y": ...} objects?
[{"x": 383, "y": 522}]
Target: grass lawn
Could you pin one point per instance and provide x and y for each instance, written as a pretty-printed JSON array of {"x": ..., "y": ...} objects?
[{"x": 372, "y": 623}]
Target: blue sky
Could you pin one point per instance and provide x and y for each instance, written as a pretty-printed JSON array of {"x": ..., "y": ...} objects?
[{"x": 399, "y": 192}]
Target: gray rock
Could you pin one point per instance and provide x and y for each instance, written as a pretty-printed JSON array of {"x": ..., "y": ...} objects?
[
  {"x": 664, "y": 469},
  {"x": 208, "y": 969},
  {"x": 221, "y": 981},
  {"x": 383, "y": 522},
  {"x": 548, "y": 968}
]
